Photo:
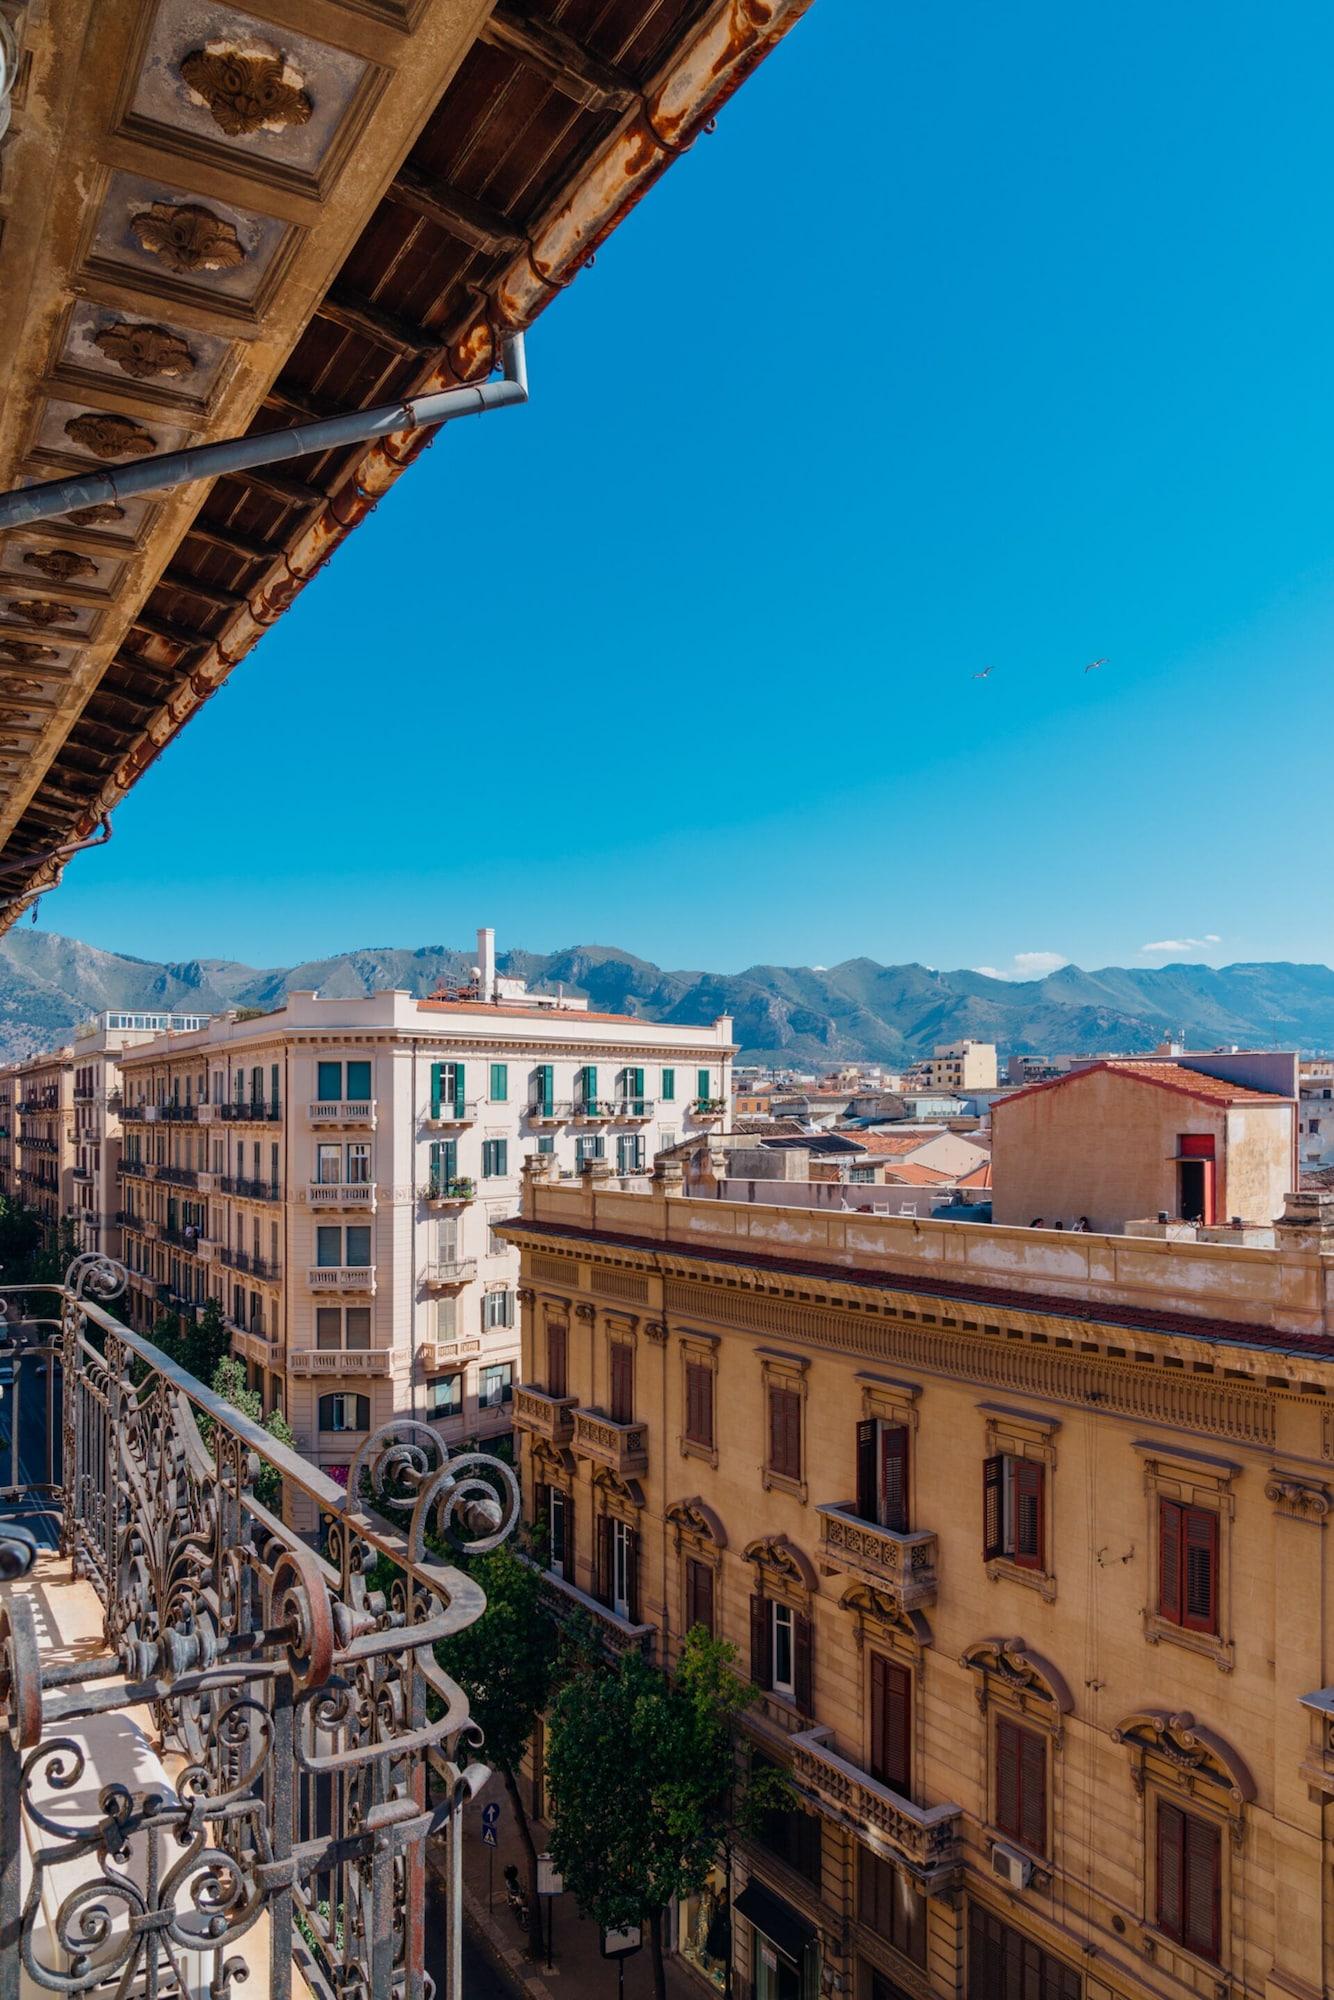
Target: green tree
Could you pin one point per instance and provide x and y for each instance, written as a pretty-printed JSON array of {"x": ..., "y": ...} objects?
[
  {"x": 228, "y": 1381},
  {"x": 507, "y": 1665},
  {"x": 20, "y": 1240},
  {"x": 644, "y": 1783}
]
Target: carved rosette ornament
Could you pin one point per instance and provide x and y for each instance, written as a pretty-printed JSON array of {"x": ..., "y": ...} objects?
[
  {"x": 106, "y": 435},
  {"x": 26, "y": 652},
  {"x": 59, "y": 564},
  {"x": 144, "y": 351},
  {"x": 41, "y": 611},
  {"x": 14, "y": 686},
  {"x": 186, "y": 236},
  {"x": 248, "y": 89},
  {"x": 96, "y": 517}
]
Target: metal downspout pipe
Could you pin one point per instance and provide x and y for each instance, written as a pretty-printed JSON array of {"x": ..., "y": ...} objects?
[{"x": 212, "y": 461}]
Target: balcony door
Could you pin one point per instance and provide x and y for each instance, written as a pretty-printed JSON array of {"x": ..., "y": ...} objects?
[{"x": 882, "y": 1473}]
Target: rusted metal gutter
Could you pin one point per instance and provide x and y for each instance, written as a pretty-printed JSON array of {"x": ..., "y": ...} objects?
[{"x": 725, "y": 46}]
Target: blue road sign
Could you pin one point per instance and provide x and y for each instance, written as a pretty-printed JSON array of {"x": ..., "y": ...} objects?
[{"x": 490, "y": 1820}]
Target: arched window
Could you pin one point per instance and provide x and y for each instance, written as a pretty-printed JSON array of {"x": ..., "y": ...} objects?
[{"x": 345, "y": 1413}]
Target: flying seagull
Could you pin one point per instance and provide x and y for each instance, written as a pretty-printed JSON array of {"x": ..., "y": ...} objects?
[
  {"x": 983, "y": 675},
  {"x": 1093, "y": 665}
]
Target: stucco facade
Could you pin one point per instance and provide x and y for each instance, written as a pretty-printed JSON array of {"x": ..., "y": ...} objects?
[
  {"x": 333, "y": 1173},
  {"x": 1127, "y": 1386},
  {"x": 1105, "y": 1144}
]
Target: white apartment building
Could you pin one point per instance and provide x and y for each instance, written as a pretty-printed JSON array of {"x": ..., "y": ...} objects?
[
  {"x": 95, "y": 1138},
  {"x": 962, "y": 1066},
  {"x": 1316, "y": 1119},
  {"x": 333, "y": 1171}
]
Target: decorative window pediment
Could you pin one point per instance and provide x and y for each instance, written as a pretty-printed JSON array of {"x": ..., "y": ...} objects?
[
  {"x": 1012, "y": 1670},
  {"x": 880, "y": 1617},
  {"x": 613, "y": 1488},
  {"x": 695, "y": 1518},
  {"x": 1178, "y": 1749},
  {"x": 781, "y": 1562},
  {"x": 549, "y": 1461}
]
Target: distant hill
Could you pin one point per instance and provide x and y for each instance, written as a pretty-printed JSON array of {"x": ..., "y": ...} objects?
[{"x": 857, "y": 1011}]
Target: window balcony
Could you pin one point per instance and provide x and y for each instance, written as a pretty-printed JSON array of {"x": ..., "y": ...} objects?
[
  {"x": 133, "y": 1114},
  {"x": 708, "y": 1107},
  {"x": 343, "y": 1111},
  {"x": 84, "y": 1093},
  {"x": 249, "y": 1265},
  {"x": 634, "y": 1108},
  {"x": 341, "y": 1194},
  {"x": 450, "y": 1193},
  {"x": 549, "y": 1113},
  {"x": 340, "y": 1360},
  {"x": 178, "y": 1114},
  {"x": 924, "y": 1840},
  {"x": 253, "y": 1341},
  {"x": 904, "y": 1566},
  {"x": 565, "y": 1601},
  {"x": 250, "y": 1190},
  {"x": 622, "y": 1447},
  {"x": 445, "y": 1276},
  {"x": 249, "y": 1111},
  {"x": 83, "y": 1173},
  {"x": 592, "y": 1111},
  {"x": 543, "y": 1416},
  {"x": 179, "y": 1176},
  {"x": 449, "y": 1114},
  {"x": 341, "y": 1277},
  {"x": 184, "y": 1239},
  {"x": 437, "y": 1355}
]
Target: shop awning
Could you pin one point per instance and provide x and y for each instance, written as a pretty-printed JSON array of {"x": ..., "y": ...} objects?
[{"x": 777, "y": 1919}]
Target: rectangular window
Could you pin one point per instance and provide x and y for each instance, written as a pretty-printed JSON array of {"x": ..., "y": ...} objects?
[
  {"x": 699, "y": 1596},
  {"x": 328, "y": 1245},
  {"x": 1021, "y": 1785},
  {"x": 622, "y": 1382},
  {"x": 783, "y": 1654},
  {"x": 668, "y": 1092},
  {"x": 495, "y": 1385},
  {"x": 557, "y": 1535},
  {"x": 357, "y": 1327},
  {"x": 891, "y": 1724},
  {"x": 588, "y": 1085},
  {"x": 882, "y": 1473},
  {"x": 358, "y": 1163},
  {"x": 359, "y": 1243},
  {"x": 328, "y": 1085},
  {"x": 546, "y": 1143},
  {"x": 1188, "y": 1566},
  {"x": 699, "y": 1403},
  {"x": 702, "y": 1090},
  {"x": 444, "y": 1164},
  {"x": 445, "y": 1396},
  {"x": 589, "y": 1146},
  {"x": 790, "y": 1833},
  {"x": 785, "y": 1433},
  {"x": 623, "y": 1553},
  {"x": 328, "y": 1326},
  {"x": 630, "y": 1153},
  {"x": 1005, "y": 1964},
  {"x": 328, "y": 1165},
  {"x": 497, "y": 1309},
  {"x": 1013, "y": 1491},
  {"x": 358, "y": 1082},
  {"x": 892, "y": 1905},
  {"x": 1189, "y": 1908},
  {"x": 556, "y": 1358},
  {"x": 543, "y": 1089},
  {"x": 495, "y": 1159},
  {"x": 500, "y": 1083}
]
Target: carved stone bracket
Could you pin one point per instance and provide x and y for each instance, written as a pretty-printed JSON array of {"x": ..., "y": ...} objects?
[
  {"x": 782, "y": 1560},
  {"x": 1298, "y": 1499}
]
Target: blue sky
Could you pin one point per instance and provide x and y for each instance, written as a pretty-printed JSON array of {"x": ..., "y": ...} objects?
[{"x": 973, "y": 337}]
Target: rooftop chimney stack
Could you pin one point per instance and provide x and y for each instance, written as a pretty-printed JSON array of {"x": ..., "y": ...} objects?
[{"x": 486, "y": 959}]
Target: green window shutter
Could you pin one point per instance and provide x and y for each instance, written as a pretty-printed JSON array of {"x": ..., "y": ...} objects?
[
  {"x": 437, "y": 1163},
  {"x": 544, "y": 1088},
  {"x": 328, "y": 1088},
  {"x": 359, "y": 1082},
  {"x": 500, "y": 1083},
  {"x": 589, "y": 1083},
  {"x": 437, "y": 1071},
  {"x": 502, "y": 1157},
  {"x": 669, "y": 1086},
  {"x": 460, "y": 1077},
  {"x": 637, "y": 1083},
  {"x": 451, "y": 1159},
  {"x": 702, "y": 1082}
]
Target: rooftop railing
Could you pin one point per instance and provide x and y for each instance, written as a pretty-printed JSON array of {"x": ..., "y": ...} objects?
[{"x": 294, "y": 1689}]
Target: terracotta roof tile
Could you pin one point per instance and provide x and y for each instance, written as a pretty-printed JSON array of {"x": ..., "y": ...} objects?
[
  {"x": 905, "y": 1174},
  {"x": 1165, "y": 1075}
]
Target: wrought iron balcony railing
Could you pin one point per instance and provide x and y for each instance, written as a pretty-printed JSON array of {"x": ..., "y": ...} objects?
[{"x": 294, "y": 1689}]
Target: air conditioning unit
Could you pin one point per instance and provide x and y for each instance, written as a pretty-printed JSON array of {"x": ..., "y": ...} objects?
[{"x": 1012, "y": 1866}]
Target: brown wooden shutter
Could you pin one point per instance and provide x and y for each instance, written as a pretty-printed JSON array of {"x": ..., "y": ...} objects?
[
  {"x": 556, "y": 1362},
  {"x": 699, "y": 1403},
  {"x": 1033, "y": 1791},
  {"x": 622, "y": 1382},
  {"x": 1028, "y": 1535},
  {"x": 894, "y": 1459},
  {"x": 761, "y": 1648},
  {"x": 604, "y": 1562},
  {"x": 1169, "y": 1560},
  {"x": 1200, "y": 1570},
  {"x": 993, "y": 1509},
  {"x": 542, "y": 1507},
  {"x": 785, "y": 1433},
  {"x": 569, "y": 1537},
  {"x": 1171, "y": 1844},
  {"x": 1201, "y": 1896},
  {"x": 802, "y": 1677},
  {"x": 699, "y": 1596},
  {"x": 866, "y": 1469},
  {"x": 632, "y": 1575},
  {"x": 891, "y": 1724},
  {"x": 1007, "y": 1778}
]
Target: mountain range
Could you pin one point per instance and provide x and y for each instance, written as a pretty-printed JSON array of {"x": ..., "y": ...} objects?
[{"x": 855, "y": 1012}]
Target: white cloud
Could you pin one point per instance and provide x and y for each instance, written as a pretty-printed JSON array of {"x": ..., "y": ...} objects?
[
  {"x": 1182, "y": 944},
  {"x": 1026, "y": 965}
]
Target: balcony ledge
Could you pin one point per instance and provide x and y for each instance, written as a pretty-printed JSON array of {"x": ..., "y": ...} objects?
[
  {"x": 617, "y": 1634},
  {"x": 923, "y": 1840},
  {"x": 349, "y": 1111},
  {"x": 340, "y": 1360},
  {"x": 444, "y": 1277},
  {"x": 622, "y": 1447},
  {"x": 341, "y": 1277},
  {"x": 902, "y": 1565},
  {"x": 549, "y": 1417}
]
